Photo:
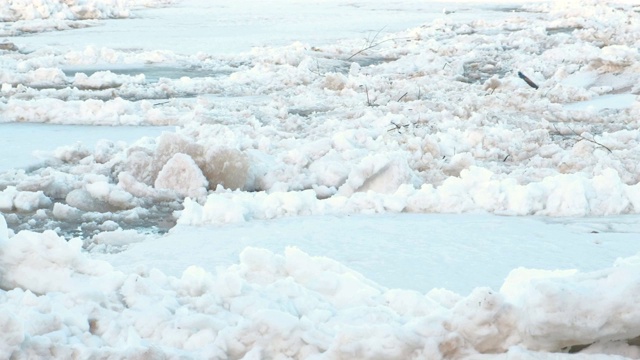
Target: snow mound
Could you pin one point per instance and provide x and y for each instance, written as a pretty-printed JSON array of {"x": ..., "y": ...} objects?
[
  {"x": 44, "y": 9},
  {"x": 46, "y": 263},
  {"x": 16, "y": 10},
  {"x": 26, "y": 16},
  {"x": 476, "y": 189},
  {"x": 210, "y": 165},
  {"x": 12, "y": 199},
  {"x": 182, "y": 175},
  {"x": 298, "y": 306}
]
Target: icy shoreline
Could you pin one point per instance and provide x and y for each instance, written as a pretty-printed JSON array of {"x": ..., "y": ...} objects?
[{"x": 297, "y": 306}]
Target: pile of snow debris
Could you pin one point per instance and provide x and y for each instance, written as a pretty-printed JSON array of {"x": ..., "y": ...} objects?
[
  {"x": 434, "y": 120},
  {"x": 28, "y": 16},
  {"x": 57, "y": 301}
]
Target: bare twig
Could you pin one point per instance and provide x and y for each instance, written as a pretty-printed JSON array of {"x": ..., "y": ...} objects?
[
  {"x": 625, "y": 164},
  {"x": 317, "y": 69},
  {"x": 398, "y": 126},
  {"x": 371, "y": 43},
  {"x": 583, "y": 137},
  {"x": 589, "y": 140},
  {"x": 366, "y": 90},
  {"x": 402, "y": 97}
]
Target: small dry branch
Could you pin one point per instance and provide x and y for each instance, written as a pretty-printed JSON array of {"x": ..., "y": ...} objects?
[
  {"x": 398, "y": 126},
  {"x": 369, "y": 101},
  {"x": 584, "y": 138},
  {"x": 371, "y": 43}
]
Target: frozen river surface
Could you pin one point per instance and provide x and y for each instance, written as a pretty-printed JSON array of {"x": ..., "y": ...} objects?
[
  {"x": 340, "y": 180},
  {"x": 27, "y": 145},
  {"x": 223, "y": 27}
]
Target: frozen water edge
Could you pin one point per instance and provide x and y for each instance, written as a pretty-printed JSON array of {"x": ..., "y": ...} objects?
[
  {"x": 23, "y": 154},
  {"x": 612, "y": 101},
  {"x": 217, "y": 28},
  {"x": 27, "y": 145},
  {"x": 152, "y": 73},
  {"x": 408, "y": 251}
]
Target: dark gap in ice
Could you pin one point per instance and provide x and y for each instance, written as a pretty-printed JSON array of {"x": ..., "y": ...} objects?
[
  {"x": 158, "y": 219},
  {"x": 624, "y": 224},
  {"x": 101, "y": 93},
  {"x": 8, "y": 46},
  {"x": 306, "y": 112},
  {"x": 574, "y": 349},
  {"x": 622, "y": 90},
  {"x": 343, "y": 66},
  {"x": 479, "y": 72},
  {"x": 152, "y": 73},
  {"x": 562, "y": 30},
  {"x": 64, "y": 86},
  {"x": 510, "y": 9},
  {"x": 62, "y": 25},
  {"x": 577, "y": 348},
  {"x": 373, "y": 60}
]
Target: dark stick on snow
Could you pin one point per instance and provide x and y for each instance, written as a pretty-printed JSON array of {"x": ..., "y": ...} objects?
[{"x": 527, "y": 80}]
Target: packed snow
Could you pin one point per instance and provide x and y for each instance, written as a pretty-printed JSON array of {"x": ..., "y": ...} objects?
[{"x": 382, "y": 191}]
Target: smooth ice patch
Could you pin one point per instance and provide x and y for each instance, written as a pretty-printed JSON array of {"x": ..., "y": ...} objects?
[{"x": 610, "y": 101}]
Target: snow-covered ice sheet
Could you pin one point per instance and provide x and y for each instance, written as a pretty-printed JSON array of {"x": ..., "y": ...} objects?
[
  {"x": 296, "y": 211},
  {"x": 22, "y": 143},
  {"x": 408, "y": 251},
  {"x": 293, "y": 305},
  {"x": 220, "y": 27},
  {"x": 614, "y": 101}
]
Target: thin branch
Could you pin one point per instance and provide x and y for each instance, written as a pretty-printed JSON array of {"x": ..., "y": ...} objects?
[
  {"x": 370, "y": 44},
  {"x": 590, "y": 140},
  {"x": 398, "y": 126},
  {"x": 367, "y": 48},
  {"x": 366, "y": 91},
  {"x": 582, "y": 137},
  {"x": 317, "y": 71}
]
